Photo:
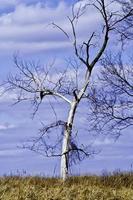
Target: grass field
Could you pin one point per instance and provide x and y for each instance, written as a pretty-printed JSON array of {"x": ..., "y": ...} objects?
[{"x": 118, "y": 186}]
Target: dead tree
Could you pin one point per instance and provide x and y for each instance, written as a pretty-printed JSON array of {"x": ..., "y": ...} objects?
[{"x": 35, "y": 82}]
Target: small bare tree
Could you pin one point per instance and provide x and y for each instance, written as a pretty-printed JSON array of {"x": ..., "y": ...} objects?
[{"x": 37, "y": 82}]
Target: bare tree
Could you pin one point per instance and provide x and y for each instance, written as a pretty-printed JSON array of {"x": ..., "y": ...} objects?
[
  {"x": 35, "y": 83},
  {"x": 126, "y": 29},
  {"x": 112, "y": 102}
]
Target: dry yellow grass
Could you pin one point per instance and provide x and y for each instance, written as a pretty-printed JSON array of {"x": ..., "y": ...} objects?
[{"x": 107, "y": 187}]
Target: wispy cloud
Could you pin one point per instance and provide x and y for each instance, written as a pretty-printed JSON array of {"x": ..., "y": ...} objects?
[
  {"x": 10, "y": 152},
  {"x": 28, "y": 27},
  {"x": 7, "y": 3},
  {"x": 6, "y": 126},
  {"x": 101, "y": 142}
]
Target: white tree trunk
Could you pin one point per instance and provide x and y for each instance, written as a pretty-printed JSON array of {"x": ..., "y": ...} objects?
[
  {"x": 68, "y": 130},
  {"x": 66, "y": 142},
  {"x": 65, "y": 157}
]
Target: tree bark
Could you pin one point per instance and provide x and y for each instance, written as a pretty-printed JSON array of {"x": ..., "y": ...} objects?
[{"x": 66, "y": 141}]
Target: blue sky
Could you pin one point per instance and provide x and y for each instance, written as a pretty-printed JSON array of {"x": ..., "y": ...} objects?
[{"x": 26, "y": 28}]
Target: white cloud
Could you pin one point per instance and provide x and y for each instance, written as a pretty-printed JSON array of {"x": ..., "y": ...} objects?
[
  {"x": 33, "y": 46},
  {"x": 6, "y": 96},
  {"x": 6, "y": 3},
  {"x": 27, "y": 27},
  {"x": 32, "y": 14},
  {"x": 106, "y": 141},
  {"x": 6, "y": 126}
]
